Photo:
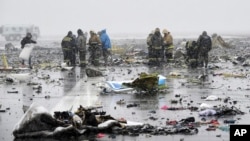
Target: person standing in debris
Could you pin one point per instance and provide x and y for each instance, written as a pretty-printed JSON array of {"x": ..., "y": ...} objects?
[
  {"x": 81, "y": 45},
  {"x": 204, "y": 43},
  {"x": 168, "y": 44},
  {"x": 149, "y": 43},
  {"x": 68, "y": 43},
  {"x": 106, "y": 45},
  {"x": 192, "y": 53},
  {"x": 94, "y": 48},
  {"x": 27, "y": 40},
  {"x": 74, "y": 51},
  {"x": 157, "y": 47}
]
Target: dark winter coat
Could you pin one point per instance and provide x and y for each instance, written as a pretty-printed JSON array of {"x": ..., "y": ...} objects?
[
  {"x": 26, "y": 40},
  {"x": 157, "y": 40},
  {"x": 204, "y": 43},
  {"x": 68, "y": 42}
]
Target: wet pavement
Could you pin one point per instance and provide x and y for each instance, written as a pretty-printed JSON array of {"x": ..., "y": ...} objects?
[{"x": 63, "y": 90}]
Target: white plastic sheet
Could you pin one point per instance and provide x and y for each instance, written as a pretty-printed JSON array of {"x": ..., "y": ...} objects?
[
  {"x": 26, "y": 51},
  {"x": 117, "y": 86},
  {"x": 20, "y": 76},
  {"x": 207, "y": 112},
  {"x": 204, "y": 106},
  {"x": 212, "y": 98}
]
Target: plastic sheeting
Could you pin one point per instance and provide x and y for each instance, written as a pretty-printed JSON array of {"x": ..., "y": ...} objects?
[
  {"x": 205, "y": 106},
  {"x": 26, "y": 51},
  {"x": 20, "y": 76},
  {"x": 207, "y": 112},
  {"x": 212, "y": 98},
  {"x": 117, "y": 86}
]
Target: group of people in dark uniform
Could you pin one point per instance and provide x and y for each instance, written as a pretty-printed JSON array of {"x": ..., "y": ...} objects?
[
  {"x": 160, "y": 49},
  {"x": 98, "y": 44},
  {"x": 197, "y": 51}
]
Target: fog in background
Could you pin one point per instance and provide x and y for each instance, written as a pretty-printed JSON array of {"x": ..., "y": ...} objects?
[{"x": 57, "y": 17}]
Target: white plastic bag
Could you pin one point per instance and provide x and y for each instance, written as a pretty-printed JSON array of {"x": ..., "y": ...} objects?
[{"x": 26, "y": 51}]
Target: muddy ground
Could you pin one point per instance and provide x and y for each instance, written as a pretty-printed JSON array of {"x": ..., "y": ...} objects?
[{"x": 63, "y": 89}]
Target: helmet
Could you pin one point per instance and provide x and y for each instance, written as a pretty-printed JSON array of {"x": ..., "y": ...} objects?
[
  {"x": 91, "y": 31},
  {"x": 70, "y": 33},
  {"x": 204, "y": 33},
  {"x": 165, "y": 31},
  {"x": 79, "y": 31},
  {"x": 157, "y": 29}
]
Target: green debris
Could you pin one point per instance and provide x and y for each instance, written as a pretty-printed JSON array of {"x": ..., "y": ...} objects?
[
  {"x": 145, "y": 82},
  {"x": 93, "y": 72}
]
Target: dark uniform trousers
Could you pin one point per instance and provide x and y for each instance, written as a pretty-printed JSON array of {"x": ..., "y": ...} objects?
[
  {"x": 82, "y": 57},
  {"x": 156, "y": 56},
  {"x": 95, "y": 53}
]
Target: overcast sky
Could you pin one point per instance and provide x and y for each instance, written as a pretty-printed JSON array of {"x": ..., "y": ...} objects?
[{"x": 56, "y": 17}]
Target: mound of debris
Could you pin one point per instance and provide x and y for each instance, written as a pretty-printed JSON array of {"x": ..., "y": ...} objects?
[
  {"x": 221, "y": 111},
  {"x": 37, "y": 122},
  {"x": 145, "y": 82},
  {"x": 218, "y": 41}
]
